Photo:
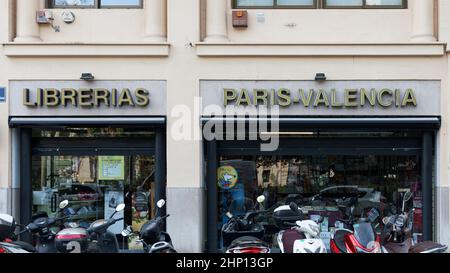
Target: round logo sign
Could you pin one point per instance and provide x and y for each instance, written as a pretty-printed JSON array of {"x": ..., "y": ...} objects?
[{"x": 227, "y": 177}]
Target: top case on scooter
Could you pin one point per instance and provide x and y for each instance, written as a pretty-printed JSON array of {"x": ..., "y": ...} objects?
[
  {"x": 288, "y": 238},
  {"x": 428, "y": 247}
]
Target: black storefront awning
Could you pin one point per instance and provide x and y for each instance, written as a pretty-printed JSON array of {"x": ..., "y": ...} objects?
[
  {"x": 155, "y": 121},
  {"x": 420, "y": 123}
]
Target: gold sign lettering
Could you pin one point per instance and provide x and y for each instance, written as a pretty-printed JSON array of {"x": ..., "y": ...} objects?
[
  {"x": 85, "y": 97},
  {"x": 349, "y": 98}
]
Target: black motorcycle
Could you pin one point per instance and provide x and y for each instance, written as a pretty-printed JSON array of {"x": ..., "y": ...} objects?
[
  {"x": 152, "y": 236},
  {"x": 41, "y": 225},
  {"x": 244, "y": 234}
]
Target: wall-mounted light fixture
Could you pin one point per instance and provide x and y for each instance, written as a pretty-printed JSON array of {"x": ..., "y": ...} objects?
[
  {"x": 87, "y": 76},
  {"x": 320, "y": 77}
]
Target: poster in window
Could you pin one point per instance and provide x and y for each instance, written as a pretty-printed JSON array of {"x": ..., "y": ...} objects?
[
  {"x": 111, "y": 168},
  {"x": 227, "y": 177}
]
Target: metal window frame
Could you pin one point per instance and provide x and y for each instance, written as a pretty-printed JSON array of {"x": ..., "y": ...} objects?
[
  {"x": 26, "y": 145},
  {"x": 276, "y": 6},
  {"x": 322, "y": 4},
  {"x": 404, "y": 5},
  {"x": 426, "y": 151},
  {"x": 97, "y": 5},
  {"x": 115, "y": 121}
]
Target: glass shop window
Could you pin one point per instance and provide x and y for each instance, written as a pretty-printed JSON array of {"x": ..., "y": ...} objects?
[
  {"x": 95, "y": 4},
  {"x": 323, "y": 186},
  {"x": 94, "y": 183}
]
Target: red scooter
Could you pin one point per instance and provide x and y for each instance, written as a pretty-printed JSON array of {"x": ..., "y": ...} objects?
[{"x": 360, "y": 237}]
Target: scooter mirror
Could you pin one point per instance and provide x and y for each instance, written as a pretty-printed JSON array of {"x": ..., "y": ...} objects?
[
  {"x": 161, "y": 203},
  {"x": 63, "y": 204},
  {"x": 120, "y": 207},
  {"x": 294, "y": 207},
  {"x": 261, "y": 199},
  {"x": 407, "y": 196}
]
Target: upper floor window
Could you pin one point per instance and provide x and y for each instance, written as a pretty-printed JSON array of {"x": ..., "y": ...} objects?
[
  {"x": 320, "y": 3},
  {"x": 95, "y": 3},
  {"x": 365, "y": 3}
]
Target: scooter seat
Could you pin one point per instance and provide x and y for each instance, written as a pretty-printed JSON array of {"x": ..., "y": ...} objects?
[
  {"x": 25, "y": 246},
  {"x": 246, "y": 241},
  {"x": 288, "y": 239},
  {"x": 339, "y": 239},
  {"x": 428, "y": 247}
]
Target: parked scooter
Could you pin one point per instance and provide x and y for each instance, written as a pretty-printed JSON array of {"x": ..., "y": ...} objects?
[
  {"x": 397, "y": 236},
  {"x": 302, "y": 237},
  {"x": 242, "y": 234},
  {"x": 41, "y": 225},
  {"x": 95, "y": 239},
  {"x": 151, "y": 235},
  {"x": 7, "y": 237},
  {"x": 358, "y": 237}
]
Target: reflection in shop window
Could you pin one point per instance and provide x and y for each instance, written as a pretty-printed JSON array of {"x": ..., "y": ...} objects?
[
  {"x": 321, "y": 185},
  {"x": 94, "y": 186}
]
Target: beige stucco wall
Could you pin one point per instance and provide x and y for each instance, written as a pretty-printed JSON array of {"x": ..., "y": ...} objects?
[
  {"x": 325, "y": 26},
  {"x": 306, "y": 26},
  {"x": 183, "y": 70}
]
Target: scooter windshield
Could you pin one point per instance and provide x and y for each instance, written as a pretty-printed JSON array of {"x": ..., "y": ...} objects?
[{"x": 364, "y": 234}]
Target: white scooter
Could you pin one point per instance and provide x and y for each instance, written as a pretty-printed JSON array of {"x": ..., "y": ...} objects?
[{"x": 302, "y": 237}]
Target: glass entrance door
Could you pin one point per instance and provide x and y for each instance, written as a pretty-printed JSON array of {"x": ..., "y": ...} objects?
[
  {"x": 95, "y": 172},
  {"x": 94, "y": 185}
]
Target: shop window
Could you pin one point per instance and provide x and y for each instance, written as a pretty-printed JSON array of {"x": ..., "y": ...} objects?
[
  {"x": 322, "y": 185},
  {"x": 95, "y": 169},
  {"x": 320, "y": 3},
  {"x": 94, "y": 4}
]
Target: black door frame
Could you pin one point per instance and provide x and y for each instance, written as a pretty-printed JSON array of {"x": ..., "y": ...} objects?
[
  {"x": 423, "y": 145},
  {"x": 81, "y": 146}
]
